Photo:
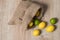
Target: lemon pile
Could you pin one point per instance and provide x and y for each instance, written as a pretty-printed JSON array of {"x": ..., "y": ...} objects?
[{"x": 41, "y": 25}]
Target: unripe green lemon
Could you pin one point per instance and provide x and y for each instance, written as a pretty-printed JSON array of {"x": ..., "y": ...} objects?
[
  {"x": 36, "y": 22},
  {"x": 53, "y": 20}
]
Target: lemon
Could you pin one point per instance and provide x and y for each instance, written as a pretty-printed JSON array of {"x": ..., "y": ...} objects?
[
  {"x": 36, "y": 32},
  {"x": 53, "y": 20},
  {"x": 37, "y": 14},
  {"x": 42, "y": 25},
  {"x": 50, "y": 28},
  {"x": 36, "y": 21},
  {"x": 30, "y": 24}
]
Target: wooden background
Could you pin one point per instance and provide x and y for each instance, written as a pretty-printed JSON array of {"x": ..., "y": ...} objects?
[{"x": 16, "y": 32}]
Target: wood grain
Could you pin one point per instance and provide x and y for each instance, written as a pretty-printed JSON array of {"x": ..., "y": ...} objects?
[{"x": 16, "y": 32}]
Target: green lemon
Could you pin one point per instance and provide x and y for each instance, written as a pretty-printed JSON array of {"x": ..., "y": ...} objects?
[
  {"x": 36, "y": 22},
  {"x": 53, "y": 20}
]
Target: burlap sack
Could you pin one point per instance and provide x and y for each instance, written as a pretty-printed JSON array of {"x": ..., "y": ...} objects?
[
  {"x": 19, "y": 13},
  {"x": 24, "y": 13},
  {"x": 30, "y": 13}
]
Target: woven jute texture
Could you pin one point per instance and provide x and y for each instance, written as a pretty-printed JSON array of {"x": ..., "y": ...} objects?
[{"x": 24, "y": 13}]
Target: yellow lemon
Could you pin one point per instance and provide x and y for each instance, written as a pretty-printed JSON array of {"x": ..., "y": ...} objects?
[
  {"x": 38, "y": 14},
  {"x": 50, "y": 28},
  {"x": 36, "y": 32},
  {"x": 30, "y": 24},
  {"x": 42, "y": 25}
]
